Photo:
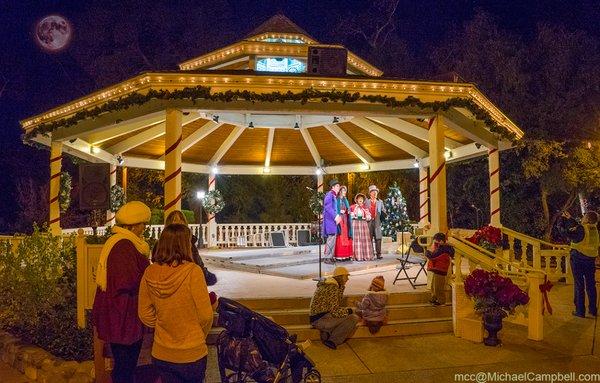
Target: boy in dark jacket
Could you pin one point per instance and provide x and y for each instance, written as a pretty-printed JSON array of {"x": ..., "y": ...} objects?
[{"x": 438, "y": 264}]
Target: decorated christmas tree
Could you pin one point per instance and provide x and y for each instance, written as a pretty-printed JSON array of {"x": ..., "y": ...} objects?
[{"x": 397, "y": 217}]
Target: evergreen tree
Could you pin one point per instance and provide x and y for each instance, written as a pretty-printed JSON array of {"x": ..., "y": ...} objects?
[{"x": 397, "y": 217}]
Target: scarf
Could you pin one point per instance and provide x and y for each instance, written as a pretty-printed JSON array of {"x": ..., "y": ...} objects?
[{"x": 119, "y": 233}]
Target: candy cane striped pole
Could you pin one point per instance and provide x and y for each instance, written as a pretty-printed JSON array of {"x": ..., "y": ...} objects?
[
  {"x": 320, "y": 182},
  {"x": 212, "y": 222},
  {"x": 423, "y": 196},
  {"x": 437, "y": 177},
  {"x": 494, "y": 168},
  {"x": 172, "y": 184},
  {"x": 55, "y": 169},
  {"x": 110, "y": 216}
]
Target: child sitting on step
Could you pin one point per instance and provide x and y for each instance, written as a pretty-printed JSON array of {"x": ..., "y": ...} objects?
[
  {"x": 372, "y": 307},
  {"x": 439, "y": 262}
]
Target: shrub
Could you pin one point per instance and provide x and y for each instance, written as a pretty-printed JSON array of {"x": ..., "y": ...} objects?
[{"x": 37, "y": 295}]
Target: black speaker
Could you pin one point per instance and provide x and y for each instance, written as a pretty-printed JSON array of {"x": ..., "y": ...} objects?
[
  {"x": 94, "y": 186},
  {"x": 303, "y": 237},
  {"x": 326, "y": 60},
  {"x": 277, "y": 239}
]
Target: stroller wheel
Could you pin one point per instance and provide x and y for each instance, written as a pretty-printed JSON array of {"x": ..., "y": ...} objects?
[{"x": 313, "y": 376}]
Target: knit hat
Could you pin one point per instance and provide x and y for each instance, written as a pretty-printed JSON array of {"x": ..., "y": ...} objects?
[
  {"x": 378, "y": 283},
  {"x": 133, "y": 212},
  {"x": 340, "y": 271},
  {"x": 333, "y": 182},
  {"x": 373, "y": 188}
]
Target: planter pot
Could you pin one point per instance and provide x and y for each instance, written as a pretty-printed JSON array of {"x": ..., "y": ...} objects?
[{"x": 493, "y": 324}]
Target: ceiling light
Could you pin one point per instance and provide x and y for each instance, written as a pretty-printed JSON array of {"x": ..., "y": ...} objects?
[
  {"x": 416, "y": 163},
  {"x": 266, "y": 169},
  {"x": 319, "y": 171},
  {"x": 336, "y": 120},
  {"x": 94, "y": 149},
  {"x": 215, "y": 118},
  {"x": 448, "y": 154},
  {"x": 250, "y": 125},
  {"x": 214, "y": 170},
  {"x": 296, "y": 126},
  {"x": 120, "y": 160}
]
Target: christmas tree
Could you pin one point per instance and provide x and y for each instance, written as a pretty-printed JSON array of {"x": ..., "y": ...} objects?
[{"x": 397, "y": 217}]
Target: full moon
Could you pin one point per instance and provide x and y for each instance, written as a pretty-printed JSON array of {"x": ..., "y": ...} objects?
[{"x": 53, "y": 33}]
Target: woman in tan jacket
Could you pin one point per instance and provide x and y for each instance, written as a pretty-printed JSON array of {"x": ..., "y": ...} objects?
[{"x": 174, "y": 301}]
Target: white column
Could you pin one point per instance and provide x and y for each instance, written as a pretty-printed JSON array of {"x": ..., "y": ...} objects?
[
  {"x": 55, "y": 169},
  {"x": 172, "y": 160},
  {"x": 319, "y": 182},
  {"x": 110, "y": 216},
  {"x": 494, "y": 171},
  {"x": 437, "y": 176},
  {"x": 423, "y": 196},
  {"x": 212, "y": 221}
]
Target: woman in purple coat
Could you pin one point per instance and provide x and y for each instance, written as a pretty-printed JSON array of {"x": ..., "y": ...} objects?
[{"x": 330, "y": 220}]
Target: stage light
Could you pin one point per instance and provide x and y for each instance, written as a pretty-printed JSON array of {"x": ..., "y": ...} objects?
[
  {"x": 215, "y": 118},
  {"x": 448, "y": 154},
  {"x": 336, "y": 120},
  {"x": 319, "y": 171},
  {"x": 251, "y": 125},
  {"x": 200, "y": 194},
  {"x": 94, "y": 149},
  {"x": 296, "y": 126},
  {"x": 214, "y": 170},
  {"x": 266, "y": 169},
  {"x": 120, "y": 160},
  {"x": 416, "y": 163}
]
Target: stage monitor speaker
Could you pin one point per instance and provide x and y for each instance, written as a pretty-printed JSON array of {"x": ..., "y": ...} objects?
[
  {"x": 303, "y": 237},
  {"x": 94, "y": 186},
  {"x": 327, "y": 60},
  {"x": 277, "y": 239}
]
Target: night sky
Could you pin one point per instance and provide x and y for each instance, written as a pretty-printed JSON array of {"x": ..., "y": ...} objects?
[{"x": 35, "y": 81}]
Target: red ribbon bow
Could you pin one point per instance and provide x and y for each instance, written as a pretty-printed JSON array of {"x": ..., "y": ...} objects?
[{"x": 544, "y": 288}]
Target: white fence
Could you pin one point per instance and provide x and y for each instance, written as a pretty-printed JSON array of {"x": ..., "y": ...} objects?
[{"x": 228, "y": 234}]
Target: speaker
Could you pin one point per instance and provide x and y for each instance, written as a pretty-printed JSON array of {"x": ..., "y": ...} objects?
[
  {"x": 327, "y": 60},
  {"x": 277, "y": 239},
  {"x": 303, "y": 237},
  {"x": 94, "y": 186}
]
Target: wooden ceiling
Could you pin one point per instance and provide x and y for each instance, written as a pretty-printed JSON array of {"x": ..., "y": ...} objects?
[{"x": 289, "y": 147}]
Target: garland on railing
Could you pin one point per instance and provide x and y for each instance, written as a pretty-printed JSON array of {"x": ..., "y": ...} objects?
[{"x": 203, "y": 93}]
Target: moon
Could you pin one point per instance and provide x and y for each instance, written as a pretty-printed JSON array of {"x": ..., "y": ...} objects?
[{"x": 53, "y": 33}]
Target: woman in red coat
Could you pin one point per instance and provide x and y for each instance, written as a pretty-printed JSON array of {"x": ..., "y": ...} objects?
[{"x": 122, "y": 262}]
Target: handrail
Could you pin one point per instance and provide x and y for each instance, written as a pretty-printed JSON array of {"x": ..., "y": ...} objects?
[{"x": 530, "y": 239}]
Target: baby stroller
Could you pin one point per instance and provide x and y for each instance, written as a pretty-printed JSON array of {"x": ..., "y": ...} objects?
[{"x": 253, "y": 348}]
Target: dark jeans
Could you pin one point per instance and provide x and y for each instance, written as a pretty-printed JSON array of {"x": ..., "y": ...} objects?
[
  {"x": 181, "y": 372},
  {"x": 584, "y": 276},
  {"x": 126, "y": 357}
]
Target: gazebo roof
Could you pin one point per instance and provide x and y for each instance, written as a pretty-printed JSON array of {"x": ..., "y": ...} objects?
[{"x": 249, "y": 122}]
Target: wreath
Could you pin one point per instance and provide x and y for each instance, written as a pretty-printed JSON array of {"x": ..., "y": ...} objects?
[
  {"x": 64, "y": 194},
  {"x": 213, "y": 202},
  {"x": 117, "y": 198}
]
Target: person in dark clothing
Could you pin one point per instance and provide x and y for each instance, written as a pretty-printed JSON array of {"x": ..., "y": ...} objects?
[
  {"x": 438, "y": 264},
  {"x": 178, "y": 217},
  {"x": 584, "y": 251}
]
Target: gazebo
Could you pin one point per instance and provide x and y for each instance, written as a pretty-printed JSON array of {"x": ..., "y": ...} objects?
[{"x": 260, "y": 106}]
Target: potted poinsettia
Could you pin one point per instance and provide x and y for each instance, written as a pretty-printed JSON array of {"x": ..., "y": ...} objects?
[
  {"x": 488, "y": 237},
  {"x": 495, "y": 298}
]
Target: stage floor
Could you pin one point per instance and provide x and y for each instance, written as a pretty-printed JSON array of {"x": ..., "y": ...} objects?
[{"x": 288, "y": 262}]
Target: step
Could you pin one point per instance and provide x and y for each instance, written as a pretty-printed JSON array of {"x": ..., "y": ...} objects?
[
  {"x": 395, "y": 312},
  {"x": 266, "y": 304},
  {"x": 393, "y": 328}
]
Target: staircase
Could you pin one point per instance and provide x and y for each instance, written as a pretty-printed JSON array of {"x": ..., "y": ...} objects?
[{"x": 408, "y": 314}]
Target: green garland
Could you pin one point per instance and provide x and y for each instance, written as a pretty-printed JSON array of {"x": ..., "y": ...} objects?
[
  {"x": 213, "y": 202},
  {"x": 117, "y": 198},
  {"x": 203, "y": 93},
  {"x": 64, "y": 194}
]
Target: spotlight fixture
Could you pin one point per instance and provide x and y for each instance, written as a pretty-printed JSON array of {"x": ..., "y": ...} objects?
[
  {"x": 214, "y": 170},
  {"x": 478, "y": 145},
  {"x": 94, "y": 149},
  {"x": 266, "y": 169},
  {"x": 120, "y": 160},
  {"x": 448, "y": 154},
  {"x": 296, "y": 126},
  {"x": 336, "y": 120},
  {"x": 416, "y": 163},
  {"x": 319, "y": 171},
  {"x": 251, "y": 125},
  {"x": 215, "y": 118},
  {"x": 186, "y": 113},
  {"x": 72, "y": 140}
]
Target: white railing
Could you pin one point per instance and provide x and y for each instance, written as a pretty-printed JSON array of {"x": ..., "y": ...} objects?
[{"x": 228, "y": 234}]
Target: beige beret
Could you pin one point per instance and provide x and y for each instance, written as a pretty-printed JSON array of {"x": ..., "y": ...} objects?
[{"x": 133, "y": 212}]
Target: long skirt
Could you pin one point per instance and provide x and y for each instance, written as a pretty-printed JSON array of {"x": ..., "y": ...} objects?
[
  {"x": 343, "y": 243},
  {"x": 363, "y": 248}
]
